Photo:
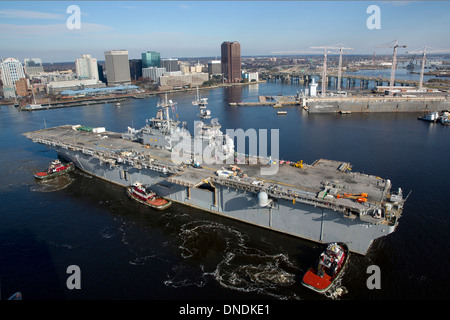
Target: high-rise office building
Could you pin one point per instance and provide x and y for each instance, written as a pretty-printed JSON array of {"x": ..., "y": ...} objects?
[
  {"x": 86, "y": 67},
  {"x": 11, "y": 70},
  {"x": 170, "y": 64},
  {"x": 153, "y": 73},
  {"x": 151, "y": 59},
  {"x": 101, "y": 75},
  {"x": 23, "y": 87},
  {"x": 135, "y": 68},
  {"x": 33, "y": 66},
  {"x": 214, "y": 67},
  {"x": 117, "y": 67},
  {"x": 231, "y": 61}
]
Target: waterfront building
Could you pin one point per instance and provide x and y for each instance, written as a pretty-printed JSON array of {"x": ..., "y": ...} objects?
[
  {"x": 250, "y": 76},
  {"x": 173, "y": 73},
  {"x": 135, "y": 68},
  {"x": 117, "y": 67},
  {"x": 184, "y": 66},
  {"x": 47, "y": 77},
  {"x": 33, "y": 66},
  {"x": 214, "y": 67},
  {"x": 151, "y": 59},
  {"x": 86, "y": 67},
  {"x": 196, "y": 68},
  {"x": 11, "y": 71},
  {"x": 55, "y": 87},
  {"x": 153, "y": 73},
  {"x": 175, "y": 81},
  {"x": 98, "y": 92},
  {"x": 170, "y": 64},
  {"x": 101, "y": 74},
  {"x": 231, "y": 61},
  {"x": 22, "y": 87}
]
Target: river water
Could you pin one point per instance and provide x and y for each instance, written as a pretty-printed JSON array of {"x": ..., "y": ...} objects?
[{"x": 127, "y": 251}]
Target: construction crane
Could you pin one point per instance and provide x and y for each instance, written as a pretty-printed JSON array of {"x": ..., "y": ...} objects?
[
  {"x": 342, "y": 47},
  {"x": 425, "y": 51},
  {"x": 339, "y": 47},
  {"x": 394, "y": 62}
]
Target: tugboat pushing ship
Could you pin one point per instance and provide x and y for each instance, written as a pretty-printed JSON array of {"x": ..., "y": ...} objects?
[
  {"x": 143, "y": 194},
  {"x": 56, "y": 168},
  {"x": 329, "y": 268},
  {"x": 302, "y": 201}
]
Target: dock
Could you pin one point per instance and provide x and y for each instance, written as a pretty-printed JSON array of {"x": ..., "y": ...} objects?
[
  {"x": 275, "y": 101},
  {"x": 368, "y": 104},
  {"x": 73, "y": 104}
]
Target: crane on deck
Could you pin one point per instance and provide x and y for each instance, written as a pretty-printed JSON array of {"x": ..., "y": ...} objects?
[{"x": 358, "y": 197}]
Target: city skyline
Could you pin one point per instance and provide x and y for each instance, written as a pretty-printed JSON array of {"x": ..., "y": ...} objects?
[{"x": 37, "y": 29}]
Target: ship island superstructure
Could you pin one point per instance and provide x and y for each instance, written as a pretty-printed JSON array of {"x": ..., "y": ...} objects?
[{"x": 312, "y": 201}]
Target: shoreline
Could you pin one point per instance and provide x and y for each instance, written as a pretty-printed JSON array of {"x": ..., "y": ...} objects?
[{"x": 121, "y": 97}]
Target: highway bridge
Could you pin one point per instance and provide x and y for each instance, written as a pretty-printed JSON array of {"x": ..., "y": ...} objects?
[{"x": 347, "y": 80}]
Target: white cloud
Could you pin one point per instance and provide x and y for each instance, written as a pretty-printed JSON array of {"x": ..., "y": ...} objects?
[
  {"x": 24, "y": 14},
  {"x": 32, "y": 31}
]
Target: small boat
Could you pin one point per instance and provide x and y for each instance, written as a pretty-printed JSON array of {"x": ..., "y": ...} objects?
[
  {"x": 432, "y": 117},
  {"x": 445, "y": 120},
  {"x": 200, "y": 102},
  {"x": 56, "y": 168},
  {"x": 329, "y": 267},
  {"x": 33, "y": 107},
  {"x": 145, "y": 195}
]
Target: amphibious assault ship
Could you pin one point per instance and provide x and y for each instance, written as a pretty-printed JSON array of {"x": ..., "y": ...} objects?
[{"x": 324, "y": 201}]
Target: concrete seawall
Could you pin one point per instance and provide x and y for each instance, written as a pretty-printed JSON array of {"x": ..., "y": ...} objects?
[{"x": 377, "y": 104}]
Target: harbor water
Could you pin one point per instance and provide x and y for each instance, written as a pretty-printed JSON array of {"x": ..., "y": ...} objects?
[{"x": 127, "y": 251}]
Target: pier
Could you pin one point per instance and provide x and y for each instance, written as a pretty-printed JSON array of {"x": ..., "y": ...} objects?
[
  {"x": 366, "y": 104},
  {"x": 275, "y": 101}
]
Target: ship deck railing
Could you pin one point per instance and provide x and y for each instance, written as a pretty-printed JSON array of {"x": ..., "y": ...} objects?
[
  {"x": 106, "y": 156},
  {"x": 275, "y": 191},
  {"x": 141, "y": 160}
]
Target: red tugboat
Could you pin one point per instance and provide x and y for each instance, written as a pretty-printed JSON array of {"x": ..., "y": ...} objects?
[
  {"x": 144, "y": 195},
  {"x": 56, "y": 168},
  {"x": 330, "y": 266}
]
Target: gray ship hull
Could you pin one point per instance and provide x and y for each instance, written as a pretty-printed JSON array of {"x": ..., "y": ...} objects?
[{"x": 298, "y": 219}]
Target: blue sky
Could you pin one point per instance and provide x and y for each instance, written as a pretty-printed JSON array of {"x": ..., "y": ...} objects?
[{"x": 197, "y": 28}]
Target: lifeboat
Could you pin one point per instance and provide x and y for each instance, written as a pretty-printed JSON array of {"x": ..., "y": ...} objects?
[
  {"x": 144, "y": 195},
  {"x": 55, "y": 168},
  {"x": 329, "y": 267}
]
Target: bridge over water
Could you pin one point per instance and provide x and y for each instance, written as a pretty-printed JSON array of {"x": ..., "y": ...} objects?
[{"x": 347, "y": 80}]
